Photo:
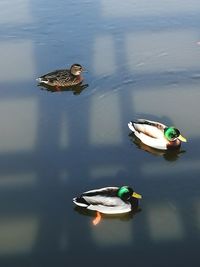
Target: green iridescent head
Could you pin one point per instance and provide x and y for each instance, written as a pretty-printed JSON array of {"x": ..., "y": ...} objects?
[
  {"x": 171, "y": 134},
  {"x": 126, "y": 192}
]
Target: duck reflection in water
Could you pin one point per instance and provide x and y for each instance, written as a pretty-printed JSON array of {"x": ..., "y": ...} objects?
[
  {"x": 75, "y": 89},
  {"x": 169, "y": 155},
  {"x": 121, "y": 217}
]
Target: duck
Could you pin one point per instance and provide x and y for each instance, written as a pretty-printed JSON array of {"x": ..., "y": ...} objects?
[
  {"x": 157, "y": 135},
  {"x": 63, "y": 77},
  {"x": 108, "y": 200}
]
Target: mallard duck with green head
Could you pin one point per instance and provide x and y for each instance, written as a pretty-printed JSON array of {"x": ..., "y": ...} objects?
[
  {"x": 63, "y": 77},
  {"x": 108, "y": 200},
  {"x": 156, "y": 134}
]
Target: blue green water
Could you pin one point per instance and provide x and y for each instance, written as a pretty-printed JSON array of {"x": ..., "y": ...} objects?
[{"x": 143, "y": 61}]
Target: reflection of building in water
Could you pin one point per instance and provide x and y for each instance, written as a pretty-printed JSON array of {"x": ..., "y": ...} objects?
[
  {"x": 106, "y": 64},
  {"x": 106, "y": 170},
  {"x": 18, "y": 234},
  {"x": 18, "y": 119},
  {"x": 150, "y": 55},
  {"x": 17, "y": 61},
  {"x": 153, "y": 170},
  {"x": 105, "y": 118},
  {"x": 171, "y": 102},
  {"x": 162, "y": 51},
  {"x": 20, "y": 135},
  {"x": 164, "y": 223},
  {"x": 147, "y": 54},
  {"x": 153, "y": 54},
  {"x": 144, "y": 8},
  {"x": 14, "y": 12},
  {"x": 115, "y": 233}
]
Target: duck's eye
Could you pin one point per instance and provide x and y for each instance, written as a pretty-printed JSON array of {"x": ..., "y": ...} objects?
[{"x": 172, "y": 135}]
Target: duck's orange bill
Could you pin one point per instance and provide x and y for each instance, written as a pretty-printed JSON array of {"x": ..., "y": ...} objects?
[
  {"x": 136, "y": 195},
  {"x": 181, "y": 138},
  {"x": 97, "y": 218}
]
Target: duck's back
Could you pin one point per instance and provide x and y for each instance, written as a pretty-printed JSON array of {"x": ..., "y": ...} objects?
[
  {"x": 150, "y": 128},
  {"x": 56, "y": 74}
]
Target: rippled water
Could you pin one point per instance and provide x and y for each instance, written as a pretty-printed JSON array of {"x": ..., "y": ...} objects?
[{"x": 142, "y": 59}]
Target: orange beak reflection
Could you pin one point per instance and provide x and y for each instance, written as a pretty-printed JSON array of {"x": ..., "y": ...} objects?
[{"x": 97, "y": 218}]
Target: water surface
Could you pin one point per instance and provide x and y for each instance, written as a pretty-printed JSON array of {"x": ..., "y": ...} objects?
[{"x": 142, "y": 61}]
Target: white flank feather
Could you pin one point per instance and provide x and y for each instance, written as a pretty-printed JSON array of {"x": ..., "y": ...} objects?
[
  {"x": 103, "y": 200},
  {"x": 108, "y": 205},
  {"x": 152, "y": 142},
  {"x": 109, "y": 210}
]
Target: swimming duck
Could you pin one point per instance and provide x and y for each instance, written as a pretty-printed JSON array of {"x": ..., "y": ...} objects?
[
  {"x": 64, "y": 77},
  {"x": 108, "y": 200},
  {"x": 156, "y": 134}
]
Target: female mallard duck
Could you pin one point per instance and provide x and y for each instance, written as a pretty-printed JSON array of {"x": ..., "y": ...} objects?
[
  {"x": 63, "y": 78},
  {"x": 108, "y": 200},
  {"x": 156, "y": 134}
]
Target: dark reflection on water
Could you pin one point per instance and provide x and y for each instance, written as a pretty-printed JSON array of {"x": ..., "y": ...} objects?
[
  {"x": 76, "y": 90},
  {"x": 141, "y": 60},
  {"x": 169, "y": 155},
  {"x": 123, "y": 217}
]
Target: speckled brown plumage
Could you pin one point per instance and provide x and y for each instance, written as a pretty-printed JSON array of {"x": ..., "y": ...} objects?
[{"x": 63, "y": 77}]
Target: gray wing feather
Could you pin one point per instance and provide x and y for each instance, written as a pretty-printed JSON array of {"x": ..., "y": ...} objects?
[{"x": 101, "y": 190}]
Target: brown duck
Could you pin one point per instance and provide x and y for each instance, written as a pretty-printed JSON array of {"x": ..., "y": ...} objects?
[{"x": 64, "y": 77}]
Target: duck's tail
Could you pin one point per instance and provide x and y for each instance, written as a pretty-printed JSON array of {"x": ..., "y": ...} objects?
[
  {"x": 79, "y": 201},
  {"x": 42, "y": 80},
  {"x": 131, "y": 126},
  {"x": 39, "y": 80}
]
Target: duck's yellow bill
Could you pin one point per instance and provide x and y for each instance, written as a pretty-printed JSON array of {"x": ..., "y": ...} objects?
[
  {"x": 181, "y": 138},
  {"x": 136, "y": 195}
]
